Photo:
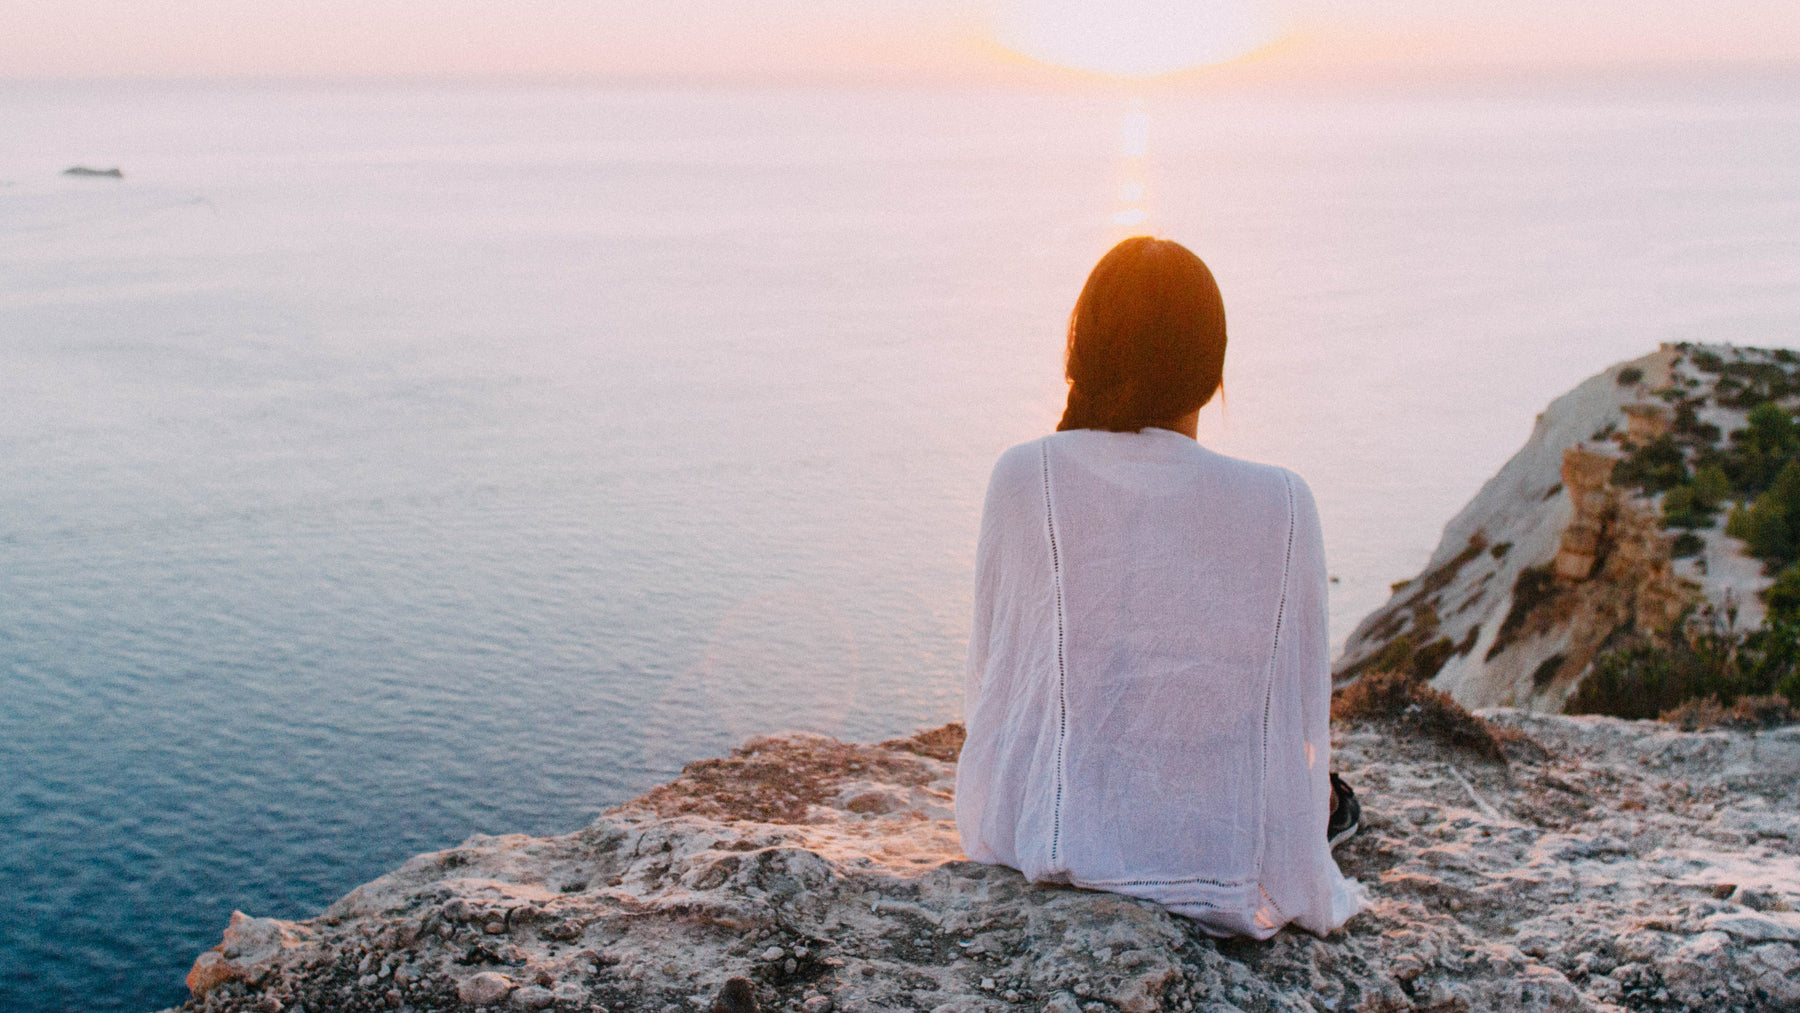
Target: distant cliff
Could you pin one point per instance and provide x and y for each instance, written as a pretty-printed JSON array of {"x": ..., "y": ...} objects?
[{"x": 1564, "y": 551}]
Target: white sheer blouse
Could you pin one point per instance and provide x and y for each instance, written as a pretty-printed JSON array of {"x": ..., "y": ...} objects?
[{"x": 1148, "y": 689}]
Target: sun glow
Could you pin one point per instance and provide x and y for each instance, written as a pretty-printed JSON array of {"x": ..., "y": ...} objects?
[{"x": 1134, "y": 38}]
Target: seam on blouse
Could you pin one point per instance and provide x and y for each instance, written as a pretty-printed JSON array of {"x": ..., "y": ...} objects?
[
  {"x": 1062, "y": 701},
  {"x": 1287, "y": 563}
]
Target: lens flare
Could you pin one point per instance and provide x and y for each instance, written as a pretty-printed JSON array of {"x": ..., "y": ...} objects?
[{"x": 1134, "y": 38}]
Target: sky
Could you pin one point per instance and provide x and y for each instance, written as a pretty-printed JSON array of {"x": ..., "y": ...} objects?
[{"x": 753, "y": 40}]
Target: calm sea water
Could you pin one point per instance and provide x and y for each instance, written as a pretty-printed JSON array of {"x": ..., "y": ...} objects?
[{"x": 381, "y": 466}]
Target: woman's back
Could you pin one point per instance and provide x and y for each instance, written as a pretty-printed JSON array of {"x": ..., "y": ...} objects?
[{"x": 1148, "y": 689}]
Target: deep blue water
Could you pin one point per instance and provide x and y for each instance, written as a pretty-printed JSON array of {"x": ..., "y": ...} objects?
[{"x": 381, "y": 466}]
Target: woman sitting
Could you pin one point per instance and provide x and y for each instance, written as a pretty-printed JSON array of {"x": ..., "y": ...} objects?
[{"x": 1148, "y": 689}]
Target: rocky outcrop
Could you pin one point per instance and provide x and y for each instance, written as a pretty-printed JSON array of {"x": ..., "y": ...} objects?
[
  {"x": 1606, "y": 866},
  {"x": 1553, "y": 559}
]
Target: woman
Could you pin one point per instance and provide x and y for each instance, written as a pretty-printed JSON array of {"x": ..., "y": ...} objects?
[{"x": 1148, "y": 687}]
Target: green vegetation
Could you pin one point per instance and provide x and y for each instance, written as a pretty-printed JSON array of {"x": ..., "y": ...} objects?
[
  {"x": 1687, "y": 544},
  {"x": 1749, "y": 712},
  {"x": 1692, "y": 505},
  {"x": 1707, "y": 362},
  {"x": 1704, "y": 666},
  {"x": 1748, "y": 384},
  {"x": 1759, "y": 451},
  {"x": 1688, "y": 428},
  {"x": 1653, "y": 467},
  {"x": 1770, "y": 525},
  {"x": 1646, "y": 680},
  {"x": 1536, "y": 586}
]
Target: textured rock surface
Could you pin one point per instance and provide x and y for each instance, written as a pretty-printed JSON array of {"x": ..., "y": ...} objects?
[{"x": 1609, "y": 866}]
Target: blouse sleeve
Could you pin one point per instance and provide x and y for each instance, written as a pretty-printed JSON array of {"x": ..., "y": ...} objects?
[{"x": 1300, "y": 875}]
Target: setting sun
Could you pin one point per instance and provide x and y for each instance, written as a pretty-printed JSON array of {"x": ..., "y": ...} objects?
[{"x": 1134, "y": 38}]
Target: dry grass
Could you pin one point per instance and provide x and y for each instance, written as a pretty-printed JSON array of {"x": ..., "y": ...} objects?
[
  {"x": 1423, "y": 711},
  {"x": 1748, "y": 712}
]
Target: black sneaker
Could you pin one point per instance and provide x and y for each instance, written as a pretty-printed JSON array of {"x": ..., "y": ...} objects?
[{"x": 1346, "y": 820}]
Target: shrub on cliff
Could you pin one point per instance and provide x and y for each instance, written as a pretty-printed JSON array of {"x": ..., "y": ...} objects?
[
  {"x": 1397, "y": 696},
  {"x": 1761, "y": 449},
  {"x": 1647, "y": 680},
  {"x": 1783, "y": 597},
  {"x": 1770, "y": 527},
  {"x": 1653, "y": 467},
  {"x": 1749, "y": 712},
  {"x": 1693, "y": 505}
]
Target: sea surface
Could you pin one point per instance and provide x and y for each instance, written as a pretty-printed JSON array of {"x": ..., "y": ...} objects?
[{"x": 381, "y": 465}]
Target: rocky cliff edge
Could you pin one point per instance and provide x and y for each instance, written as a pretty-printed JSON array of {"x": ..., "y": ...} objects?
[{"x": 1600, "y": 865}]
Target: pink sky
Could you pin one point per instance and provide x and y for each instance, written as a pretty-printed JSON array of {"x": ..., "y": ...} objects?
[{"x": 834, "y": 39}]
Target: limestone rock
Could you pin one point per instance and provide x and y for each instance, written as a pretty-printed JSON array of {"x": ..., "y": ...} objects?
[
  {"x": 1552, "y": 558},
  {"x": 1582, "y": 875},
  {"x": 484, "y": 989}
]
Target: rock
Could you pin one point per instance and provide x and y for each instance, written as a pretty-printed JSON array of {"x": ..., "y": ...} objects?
[
  {"x": 1552, "y": 560},
  {"x": 210, "y": 970},
  {"x": 1757, "y": 900},
  {"x": 1783, "y": 926},
  {"x": 249, "y": 949},
  {"x": 1573, "y": 878},
  {"x": 738, "y": 995},
  {"x": 82, "y": 170},
  {"x": 484, "y": 989}
]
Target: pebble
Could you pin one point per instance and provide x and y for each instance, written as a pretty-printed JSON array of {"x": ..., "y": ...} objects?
[
  {"x": 817, "y": 1004},
  {"x": 773, "y": 954},
  {"x": 484, "y": 989},
  {"x": 533, "y": 997},
  {"x": 987, "y": 984}
]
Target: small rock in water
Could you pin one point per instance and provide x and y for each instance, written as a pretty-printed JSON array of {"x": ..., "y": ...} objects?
[{"x": 738, "y": 996}]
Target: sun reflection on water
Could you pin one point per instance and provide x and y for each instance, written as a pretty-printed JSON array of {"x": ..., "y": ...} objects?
[{"x": 1134, "y": 146}]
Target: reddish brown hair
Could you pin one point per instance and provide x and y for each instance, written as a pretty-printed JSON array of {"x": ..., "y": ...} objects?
[{"x": 1146, "y": 340}]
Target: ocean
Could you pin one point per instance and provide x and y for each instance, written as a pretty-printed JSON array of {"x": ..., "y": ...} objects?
[{"x": 385, "y": 464}]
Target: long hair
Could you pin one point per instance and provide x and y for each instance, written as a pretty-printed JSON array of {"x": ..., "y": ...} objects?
[{"x": 1146, "y": 339}]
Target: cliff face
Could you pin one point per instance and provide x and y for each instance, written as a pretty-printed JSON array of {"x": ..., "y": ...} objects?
[
  {"x": 1552, "y": 559},
  {"x": 1605, "y": 866}
]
